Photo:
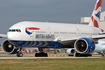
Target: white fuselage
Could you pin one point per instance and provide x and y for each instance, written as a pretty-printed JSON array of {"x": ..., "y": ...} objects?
[
  {"x": 100, "y": 46},
  {"x": 48, "y": 32}
]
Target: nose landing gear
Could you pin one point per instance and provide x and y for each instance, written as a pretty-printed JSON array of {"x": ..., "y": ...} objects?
[{"x": 19, "y": 52}]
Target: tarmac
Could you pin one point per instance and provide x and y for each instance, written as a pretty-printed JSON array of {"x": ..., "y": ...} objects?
[
  {"x": 45, "y": 57},
  {"x": 50, "y": 56}
]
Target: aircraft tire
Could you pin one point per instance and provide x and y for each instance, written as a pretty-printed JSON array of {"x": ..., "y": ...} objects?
[
  {"x": 102, "y": 55},
  {"x": 82, "y": 55},
  {"x": 70, "y": 55},
  {"x": 41, "y": 55},
  {"x": 19, "y": 54}
]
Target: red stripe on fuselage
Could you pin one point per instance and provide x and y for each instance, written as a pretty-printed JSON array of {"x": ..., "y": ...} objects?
[{"x": 32, "y": 28}]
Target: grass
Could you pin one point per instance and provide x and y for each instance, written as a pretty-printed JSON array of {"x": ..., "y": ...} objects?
[{"x": 53, "y": 64}]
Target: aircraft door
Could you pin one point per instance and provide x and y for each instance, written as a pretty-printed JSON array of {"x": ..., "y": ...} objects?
[
  {"x": 78, "y": 31},
  {"x": 50, "y": 33}
]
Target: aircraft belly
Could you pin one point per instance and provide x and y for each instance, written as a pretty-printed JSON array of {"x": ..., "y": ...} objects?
[{"x": 42, "y": 44}]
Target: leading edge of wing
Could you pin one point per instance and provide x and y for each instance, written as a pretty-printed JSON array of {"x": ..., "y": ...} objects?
[
  {"x": 3, "y": 35},
  {"x": 98, "y": 36},
  {"x": 72, "y": 39}
]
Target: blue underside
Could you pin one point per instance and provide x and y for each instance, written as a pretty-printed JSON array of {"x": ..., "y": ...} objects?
[{"x": 41, "y": 44}]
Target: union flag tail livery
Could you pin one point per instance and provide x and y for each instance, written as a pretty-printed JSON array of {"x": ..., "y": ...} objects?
[{"x": 95, "y": 18}]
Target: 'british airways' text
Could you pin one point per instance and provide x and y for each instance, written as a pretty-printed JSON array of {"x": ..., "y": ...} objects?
[{"x": 44, "y": 36}]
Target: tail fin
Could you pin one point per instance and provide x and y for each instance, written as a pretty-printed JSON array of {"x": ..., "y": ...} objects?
[{"x": 95, "y": 18}]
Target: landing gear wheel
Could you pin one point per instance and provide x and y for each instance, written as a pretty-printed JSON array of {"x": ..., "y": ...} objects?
[
  {"x": 41, "y": 55},
  {"x": 82, "y": 55},
  {"x": 70, "y": 55},
  {"x": 19, "y": 54},
  {"x": 102, "y": 55}
]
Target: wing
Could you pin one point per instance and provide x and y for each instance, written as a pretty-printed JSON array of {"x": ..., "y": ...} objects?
[
  {"x": 71, "y": 40},
  {"x": 3, "y": 35},
  {"x": 98, "y": 36}
]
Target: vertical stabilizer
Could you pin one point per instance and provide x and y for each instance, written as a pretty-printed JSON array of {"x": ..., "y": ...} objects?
[{"x": 95, "y": 18}]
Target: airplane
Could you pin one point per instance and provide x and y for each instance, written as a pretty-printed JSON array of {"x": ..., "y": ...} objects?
[
  {"x": 99, "y": 48},
  {"x": 54, "y": 35}
]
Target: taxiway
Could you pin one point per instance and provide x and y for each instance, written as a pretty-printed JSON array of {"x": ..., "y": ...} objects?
[{"x": 45, "y": 57}]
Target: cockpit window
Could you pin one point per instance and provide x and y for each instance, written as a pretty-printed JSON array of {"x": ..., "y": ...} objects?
[
  {"x": 10, "y": 30},
  {"x": 14, "y": 30}
]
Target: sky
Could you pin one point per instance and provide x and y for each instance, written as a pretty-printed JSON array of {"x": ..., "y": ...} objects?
[{"x": 62, "y": 11}]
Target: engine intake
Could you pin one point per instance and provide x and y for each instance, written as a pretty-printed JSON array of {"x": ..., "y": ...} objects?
[
  {"x": 8, "y": 48},
  {"x": 84, "y": 46}
]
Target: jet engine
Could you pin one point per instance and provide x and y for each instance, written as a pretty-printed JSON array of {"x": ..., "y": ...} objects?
[
  {"x": 8, "y": 48},
  {"x": 70, "y": 52},
  {"x": 84, "y": 46}
]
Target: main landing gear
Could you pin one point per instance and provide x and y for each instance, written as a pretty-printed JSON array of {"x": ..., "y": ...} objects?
[
  {"x": 41, "y": 53},
  {"x": 19, "y": 52},
  {"x": 102, "y": 53},
  {"x": 82, "y": 55}
]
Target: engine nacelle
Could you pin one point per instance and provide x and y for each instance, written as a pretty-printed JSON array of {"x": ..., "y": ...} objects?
[
  {"x": 84, "y": 46},
  {"x": 70, "y": 51},
  {"x": 8, "y": 48}
]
